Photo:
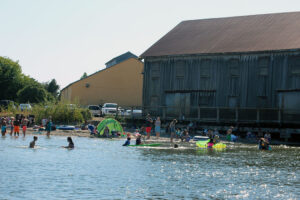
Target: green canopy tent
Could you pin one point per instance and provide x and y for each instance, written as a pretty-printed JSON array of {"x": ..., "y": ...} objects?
[{"x": 112, "y": 124}]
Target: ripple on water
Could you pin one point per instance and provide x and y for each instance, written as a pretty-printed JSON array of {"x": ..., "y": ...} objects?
[{"x": 103, "y": 169}]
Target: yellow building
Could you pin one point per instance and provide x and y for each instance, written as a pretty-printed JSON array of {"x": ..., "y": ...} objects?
[{"x": 120, "y": 82}]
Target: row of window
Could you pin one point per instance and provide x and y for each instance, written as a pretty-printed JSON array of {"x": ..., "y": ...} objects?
[{"x": 234, "y": 68}]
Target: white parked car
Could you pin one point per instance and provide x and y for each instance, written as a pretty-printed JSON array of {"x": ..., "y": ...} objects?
[
  {"x": 109, "y": 109},
  {"x": 135, "y": 113},
  {"x": 24, "y": 106},
  {"x": 95, "y": 110}
]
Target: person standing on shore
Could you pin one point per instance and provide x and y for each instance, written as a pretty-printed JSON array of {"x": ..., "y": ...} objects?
[
  {"x": 24, "y": 126},
  {"x": 16, "y": 127},
  {"x": 3, "y": 126},
  {"x": 11, "y": 122},
  {"x": 172, "y": 129},
  {"x": 157, "y": 127},
  {"x": 149, "y": 122},
  {"x": 49, "y": 126}
]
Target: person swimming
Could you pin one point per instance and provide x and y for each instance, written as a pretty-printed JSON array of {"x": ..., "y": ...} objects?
[
  {"x": 32, "y": 144},
  {"x": 175, "y": 146},
  {"x": 71, "y": 144},
  {"x": 127, "y": 142}
]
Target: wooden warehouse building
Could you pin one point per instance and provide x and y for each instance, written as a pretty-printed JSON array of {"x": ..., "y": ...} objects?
[
  {"x": 235, "y": 69},
  {"x": 120, "y": 82}
]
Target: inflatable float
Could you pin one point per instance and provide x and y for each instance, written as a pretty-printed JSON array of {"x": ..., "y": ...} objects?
[
  {"x": 68, "y": 128},
  {"x": 204, "y": 144},
  {"x": 146, "y": 145}
]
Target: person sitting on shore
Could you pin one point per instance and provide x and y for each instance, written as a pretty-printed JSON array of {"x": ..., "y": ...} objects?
[
  {"x": 106, "y": 132},
  {"x": 138, "y": 140},
  {"x": 185, "y": 136},
  {"x": 91, "y": 128},
  {"x": 178, "y": 133},
  {"x": 32, "y": 144},
  {"x": 127, "y": 141},
  {"x": 71, "y": 144}
]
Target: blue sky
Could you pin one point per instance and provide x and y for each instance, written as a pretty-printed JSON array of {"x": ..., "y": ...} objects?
[{"x": 62, "y": 39}]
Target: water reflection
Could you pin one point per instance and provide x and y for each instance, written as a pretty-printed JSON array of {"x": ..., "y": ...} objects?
[{"x": 103, "y": 169}]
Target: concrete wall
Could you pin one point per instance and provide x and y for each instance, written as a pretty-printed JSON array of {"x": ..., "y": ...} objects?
[{"x": 121, "y": 83}]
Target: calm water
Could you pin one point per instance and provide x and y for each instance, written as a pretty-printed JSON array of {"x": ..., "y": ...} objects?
[{"x": 103, "y": 169}]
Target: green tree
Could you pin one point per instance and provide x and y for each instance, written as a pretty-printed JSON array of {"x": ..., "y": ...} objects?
[
  {"x": 33, "y": 93},
  {"x": 84, "y": 75},
  {"x": 52, "y": 87},
  {"x": 10, "y": 78}
]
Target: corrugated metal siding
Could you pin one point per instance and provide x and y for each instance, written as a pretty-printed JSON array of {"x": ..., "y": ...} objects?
[
  {"x": 268, "y": 32},
  {"x": 227, "y": 79}
]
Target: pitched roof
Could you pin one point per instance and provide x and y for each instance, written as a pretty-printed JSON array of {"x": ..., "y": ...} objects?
[
  {"x": 120, "y": 58},
  {"x": 101, "y": 70},
  {"x": 252, "y": 33}
]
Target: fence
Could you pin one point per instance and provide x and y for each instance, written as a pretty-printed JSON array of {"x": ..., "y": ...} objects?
[{"x": 218, "y": 114}]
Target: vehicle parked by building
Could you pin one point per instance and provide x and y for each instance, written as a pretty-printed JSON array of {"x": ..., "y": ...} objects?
[
  {"x": 95, "y": 110},
  {"x": 25, "y": 106},
  {"x": 109, "y": 109},
  {"x": 134, "y": 113}
]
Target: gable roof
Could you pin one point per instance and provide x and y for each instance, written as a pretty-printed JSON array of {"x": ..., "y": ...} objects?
[
  {"x": 252, "y": 33},
  {"x": 101, "y": 70},
  {"x": 120, "y": 58}
]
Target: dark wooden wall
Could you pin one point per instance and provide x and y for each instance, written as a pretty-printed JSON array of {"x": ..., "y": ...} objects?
[{"x": 257, "y": 80}]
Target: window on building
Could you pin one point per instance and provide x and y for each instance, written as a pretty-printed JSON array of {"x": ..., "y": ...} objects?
[
  {"x": 234, "y": 68},
  {"x": 233, "y": 102},
  {"x": 179, "y": 69},
  {"x": 205, "y": 74},
  {"x": 155, "y": 86},
  {"x": 204, "y": 101},
  {"x": 295, "y": 68},
  {"x": 154, "y": 101},
  {"x": 262, "y": 102},
  {"x": 205, "y": 68},
  {"x": 263, "y": 72},
  {"x": 155, "y": 72},
  {"x": 234, "y": 77},
  {"x": 263, "y": 66}
]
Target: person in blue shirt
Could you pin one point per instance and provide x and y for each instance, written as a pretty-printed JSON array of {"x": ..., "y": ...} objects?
[{"x": 127, "y": 142}]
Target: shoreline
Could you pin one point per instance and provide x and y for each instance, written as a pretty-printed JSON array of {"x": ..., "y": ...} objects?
[{"x": 153, "y": 139}]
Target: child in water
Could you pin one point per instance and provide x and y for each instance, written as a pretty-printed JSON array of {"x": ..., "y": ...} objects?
[
  {"x": 3, "y": 128},
  {"x": 71, "y": 144},
  {"x": 32, "y": 144},
  {"x": 127, "y": 141},
  {"x": 138, "y": 140}
]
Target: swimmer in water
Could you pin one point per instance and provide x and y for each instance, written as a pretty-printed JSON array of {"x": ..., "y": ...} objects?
[
  {"x": 138, "y": 140},
  {"x": 175, "y": 145},
  {"x": 71, "y": 144},
  {"x": 32, "y": 144},
  {"x": 127, "y": 142}
]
